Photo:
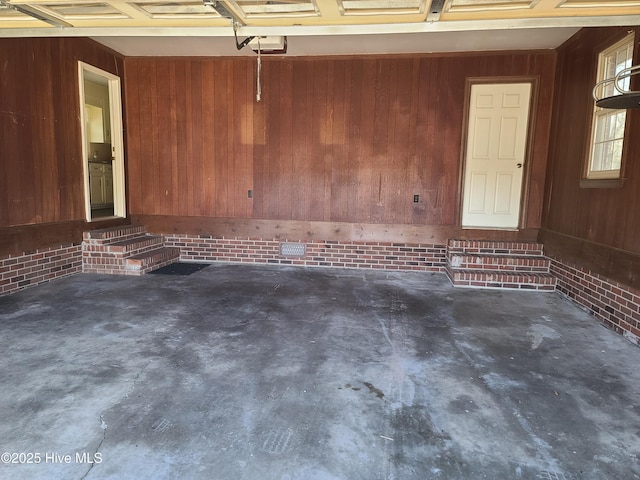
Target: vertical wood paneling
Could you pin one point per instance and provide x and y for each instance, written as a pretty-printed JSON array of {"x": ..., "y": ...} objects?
[
  {"x": 631, "y": 222},
  {"x": 426, "y": 133},
  {"x": 412, "y": 141},
  {"x": 259, "y": 153},
  {"x": 135, "y": 109},
  {"x": 321, "y": 127},
  {"x": 300, "y": 147},
  {"x": 64, "y": 101},
  {"x": 241, "y": 140},
  {"x": 420, "y": 180},
  {"x": 339, "y": 163},
  {"x": 401, "y": 195},
  {"x": 381, "y": 138},
  {"x": 271, "y": 183},
  {"x": 183, "y": 193},
  {"x": 207, "y": 142},
  {"x": 230, "y": 154},
  {"x": 367, "y": 126},
  {"x": 220, "y": 160},
  {"x": 43, "y": 168},
  {"x": 41, "y": 163},
  {"x": 353, "y": 146},
  {"x": 233, "y": 155},
  {"x": 16, "y": 125},
  {"x": 333, "y": 139},
  {"x": 390, "y": 170},
  {"x": 453, "y": 134},
  {"x": 307, "y": 173},
  {"x": 148, "y": 139},
  {"x": 155, "y": 201},
  {"x": 193, "y": 159},
  {"x": 537, "y": 166},
  {"x": 164, "y": 162},
  {"x": 602, "y": 215},
  {"x": 5, "y": 134},
  {"x": 441, "y": 139},
  {"x": 286, "y": 192},
  {"x": 175, "y": 138}
]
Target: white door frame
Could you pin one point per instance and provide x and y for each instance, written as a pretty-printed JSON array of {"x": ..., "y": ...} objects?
[
  {"x": 533, "y": 101},
  {"x": 117, "y": 142}
]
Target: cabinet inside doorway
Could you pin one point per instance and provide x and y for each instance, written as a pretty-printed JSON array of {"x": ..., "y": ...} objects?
[{"x": 101, "y": 184}]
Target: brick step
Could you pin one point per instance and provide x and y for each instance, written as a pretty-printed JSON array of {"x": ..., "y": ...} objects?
[
  {"x": 502, "y": 280},
  {"x": 516, "y": 263},
  {"x": 494, "y": 248},
  {"x": 133, "y": 245},
  {"x": 125, "y": 250},
  {"x": 110, "y": 235},
  {"x": 151, "y": 260}
]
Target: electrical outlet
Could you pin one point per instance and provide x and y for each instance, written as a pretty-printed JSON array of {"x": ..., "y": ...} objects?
[
  {"x": 416, "y": 198},
  {"x": 249, "y": 193}
]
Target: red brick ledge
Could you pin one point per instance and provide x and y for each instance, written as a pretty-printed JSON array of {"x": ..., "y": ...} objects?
[
  {"x": 614, "y": 304},
  {"x": 373, "y": 255},
  {"x": 38, "y": 266}
]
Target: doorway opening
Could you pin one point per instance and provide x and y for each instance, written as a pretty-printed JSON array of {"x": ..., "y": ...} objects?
[{"x": 102, "y": 143}]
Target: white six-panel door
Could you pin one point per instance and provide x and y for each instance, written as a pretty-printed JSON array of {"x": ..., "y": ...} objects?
[{"x": 495, "y": 155}]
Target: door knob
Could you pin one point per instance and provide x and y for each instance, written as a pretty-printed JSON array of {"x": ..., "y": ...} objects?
[{"x": 519, "y": 165}]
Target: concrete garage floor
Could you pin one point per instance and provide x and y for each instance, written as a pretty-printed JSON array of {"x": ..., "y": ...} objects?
[{"x": 248, "y": 372}]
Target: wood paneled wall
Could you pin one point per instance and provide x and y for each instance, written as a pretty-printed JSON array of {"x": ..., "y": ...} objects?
[
  {"x": 41, "y": 176},
  {"x": 582, "y": 221},
  {"x": 334, "y": 139}
]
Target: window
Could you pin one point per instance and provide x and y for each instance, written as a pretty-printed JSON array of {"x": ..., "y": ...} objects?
[{"x": 607, "y": 132}]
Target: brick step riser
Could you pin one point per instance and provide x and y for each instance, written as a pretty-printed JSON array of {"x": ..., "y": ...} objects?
[
  {"x": 125, "y": 250},
  {"x": 500, "y": 268},
  {"x": 543, "y": 282},
  {"x": 157, "y": 266},
  {"x": 143, "y": 249},
  {"x": 113, "y": 235},
  {"x": 481, "y": 245},
  {"x": 164, "y": 254},
  {"x": 110, "y": 241},
  {"x": 144, "y": 243},
  {"x": 497, "y": 252},
  {"x": 505, "y": 286},
  {"x": 502, "y": 265},
  {"x": 501, "y": 277},
  {"x": 123, "y": 255},
  {"x": 498, "y": 265},
  {"x": 126, "y": 266}
]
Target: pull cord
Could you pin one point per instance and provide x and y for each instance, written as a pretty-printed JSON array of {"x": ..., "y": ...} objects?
[{"x": 258, "y": 82}]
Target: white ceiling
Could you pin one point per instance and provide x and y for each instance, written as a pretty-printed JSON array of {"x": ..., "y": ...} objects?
[{"x": 461, "y": 41}]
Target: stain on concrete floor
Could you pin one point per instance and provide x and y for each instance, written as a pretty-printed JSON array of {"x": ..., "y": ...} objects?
[{"x": 249, "y": 372}]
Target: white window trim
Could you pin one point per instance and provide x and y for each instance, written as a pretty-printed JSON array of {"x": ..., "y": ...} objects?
[{"x": 598, "y": 112}]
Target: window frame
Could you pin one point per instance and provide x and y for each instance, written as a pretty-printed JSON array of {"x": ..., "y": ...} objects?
[{"x": 613, "y": 177}]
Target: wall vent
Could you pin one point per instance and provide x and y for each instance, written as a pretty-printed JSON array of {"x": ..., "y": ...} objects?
[{"x": 288, "y": 249}]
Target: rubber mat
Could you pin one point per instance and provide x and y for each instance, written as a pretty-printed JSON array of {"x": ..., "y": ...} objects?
[{"x": 181, "y": 269}]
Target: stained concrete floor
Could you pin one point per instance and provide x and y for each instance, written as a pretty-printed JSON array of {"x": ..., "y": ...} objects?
[{"x": 248, "y": 372}]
